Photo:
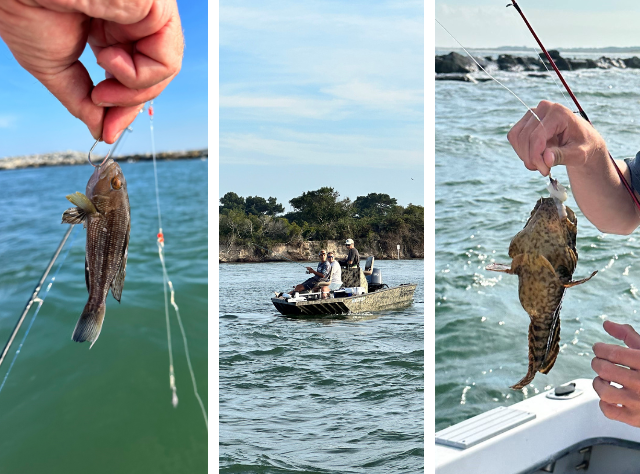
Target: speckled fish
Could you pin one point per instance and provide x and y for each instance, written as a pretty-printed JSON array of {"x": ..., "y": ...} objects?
[
  {"x": 544, "y": 258},
  {"x": 105, "y": 213}
]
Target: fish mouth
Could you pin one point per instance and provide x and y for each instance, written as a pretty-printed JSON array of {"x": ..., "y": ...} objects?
[{"x": 105, "y": 167}]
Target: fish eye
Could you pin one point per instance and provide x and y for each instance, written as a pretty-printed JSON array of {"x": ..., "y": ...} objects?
[{"x": 116, "y": 183}]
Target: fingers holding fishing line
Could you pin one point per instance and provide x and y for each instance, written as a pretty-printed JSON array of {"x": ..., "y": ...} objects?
[
  {"x": 139, "y": 43},
  {"x": 549, "y": 138}
]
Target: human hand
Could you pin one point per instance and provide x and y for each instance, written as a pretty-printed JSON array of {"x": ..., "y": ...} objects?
[
  {"x": 138, "y": 43},
  {"x": 309, "y": 270},
  {"x": 621, "y": 365},
  {"x": 559, "y": 138}
]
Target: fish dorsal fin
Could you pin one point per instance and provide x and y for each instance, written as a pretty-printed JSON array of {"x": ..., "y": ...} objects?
[{"x": 118, "y": 282}]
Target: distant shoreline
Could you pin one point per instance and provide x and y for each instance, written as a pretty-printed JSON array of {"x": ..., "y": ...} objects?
[{"x": 71, "y": 158}]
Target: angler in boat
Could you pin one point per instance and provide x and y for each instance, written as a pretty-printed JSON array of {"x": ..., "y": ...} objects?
[
  {"x": 321, "y": 273},
  {"x": 561, "y": 137},
  {"x": 353, "y": 257}
]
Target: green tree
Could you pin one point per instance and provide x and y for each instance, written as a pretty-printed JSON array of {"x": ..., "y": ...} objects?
[
  {"x": 256, "y": 205},
  {"x": 374, "y": 204},
  {"x": 230, "y": 202},
  {"x": 318, "y": 207},
  {"x": 274, "y": 207}
]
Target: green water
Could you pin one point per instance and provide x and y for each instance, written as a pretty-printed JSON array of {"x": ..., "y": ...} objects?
[{"x": 68, "y": 409}]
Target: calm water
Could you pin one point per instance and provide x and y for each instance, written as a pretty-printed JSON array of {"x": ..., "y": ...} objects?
[
  {"x": 68, "y": 409},
  {"x": 483, "y": 198},
  {"x": 318, "y": 396}
]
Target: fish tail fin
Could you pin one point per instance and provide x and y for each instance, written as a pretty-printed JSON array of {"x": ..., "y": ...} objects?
[
  {"x": 554, "y": 348},
  {"x": 538, "y": 336},
  {"x": 90, "y": 323}
]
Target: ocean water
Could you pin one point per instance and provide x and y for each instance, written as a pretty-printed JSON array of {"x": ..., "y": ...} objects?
[
  {"x": 483, "y": 197},
  {"x": 318, "y": 396},
  {"x": 65, "y": 408}
]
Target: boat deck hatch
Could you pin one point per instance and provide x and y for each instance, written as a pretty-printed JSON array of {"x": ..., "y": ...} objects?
[{"x": 482, "y": 427}]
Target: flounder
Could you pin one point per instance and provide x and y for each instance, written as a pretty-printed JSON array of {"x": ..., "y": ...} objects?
[{"x": 544, "y": 258}]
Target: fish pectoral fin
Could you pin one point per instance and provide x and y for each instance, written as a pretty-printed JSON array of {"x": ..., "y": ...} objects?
[
  {"x": 579, "y": 282},
  {"x": 73, "y": 215},
  {"x": 499, "y": 267},
  {"x": 118, "y": 282},
  {"x": 83, "y": 202}
]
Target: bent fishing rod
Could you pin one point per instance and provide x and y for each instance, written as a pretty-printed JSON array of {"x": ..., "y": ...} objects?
[
  {"x": 573, "y": 97},
  {"x": 38, "y": 287}
]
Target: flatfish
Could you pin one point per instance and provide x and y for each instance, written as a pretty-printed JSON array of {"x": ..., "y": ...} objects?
[{"x": 544, "y": 257}]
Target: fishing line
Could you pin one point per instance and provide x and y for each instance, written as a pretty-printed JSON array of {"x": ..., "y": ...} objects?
[
  {"x": 167, "y": 282},
  {"x": 40, "y": 302},
  {"x": 485, "y": 71},
  {"x": 575, "y": 100}
]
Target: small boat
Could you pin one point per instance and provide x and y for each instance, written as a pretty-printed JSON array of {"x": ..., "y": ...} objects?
[
  {"x": 359, "y": 295},
  {"x": 561, "y": 430}
]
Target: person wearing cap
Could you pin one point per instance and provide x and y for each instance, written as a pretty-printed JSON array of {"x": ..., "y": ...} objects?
[
  {"x": 353, "y": 258},
  {"x": 321, "y": 273}
]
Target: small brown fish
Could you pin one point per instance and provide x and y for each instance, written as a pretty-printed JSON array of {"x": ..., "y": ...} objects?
[
  {"x": 106, "y": 215},
  {"x": 544, "y": 258}
]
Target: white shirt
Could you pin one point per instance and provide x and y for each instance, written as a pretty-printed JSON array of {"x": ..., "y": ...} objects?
[{"x": 335, "y": 276}]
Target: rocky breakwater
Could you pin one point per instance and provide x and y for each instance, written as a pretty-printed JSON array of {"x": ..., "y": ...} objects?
[
  {"x": 67, "y": 158},
  {"x": 456, "y": 67}
]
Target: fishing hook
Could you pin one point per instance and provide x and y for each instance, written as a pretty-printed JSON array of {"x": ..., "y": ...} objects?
[{"x": 89, "y": 157}]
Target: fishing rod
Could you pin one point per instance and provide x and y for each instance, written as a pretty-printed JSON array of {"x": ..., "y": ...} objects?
[
  {"x": 573, "y": 97},
  {"x": 38, "y": 287},
  {"x": 264, "y": 248}
]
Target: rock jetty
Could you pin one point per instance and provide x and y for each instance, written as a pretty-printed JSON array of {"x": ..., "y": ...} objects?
[
  {"x": 66, "y": 158},
  {"x": 456, "y": 67}
]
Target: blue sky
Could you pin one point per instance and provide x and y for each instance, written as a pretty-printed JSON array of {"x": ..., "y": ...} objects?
[
  {"x": 569, "y": 23},
  {"x": 322, "y": 93},
  {"x": 33, "y": 121}
]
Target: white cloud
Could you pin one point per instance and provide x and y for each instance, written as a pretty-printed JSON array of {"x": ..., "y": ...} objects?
[{"x": 330, "y": 149}]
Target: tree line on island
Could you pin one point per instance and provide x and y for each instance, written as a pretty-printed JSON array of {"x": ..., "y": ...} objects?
[{"x": 375, "y": 221}]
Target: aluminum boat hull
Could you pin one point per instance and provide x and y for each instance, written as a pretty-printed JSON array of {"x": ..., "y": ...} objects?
[{"x": 387, "y": 298}]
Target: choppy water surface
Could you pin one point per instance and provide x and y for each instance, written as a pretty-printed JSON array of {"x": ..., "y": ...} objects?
[
  {"x": 483, "y": 198},
  {"x": 318, "y": 396},
  {"x": 68, "y": 409}
]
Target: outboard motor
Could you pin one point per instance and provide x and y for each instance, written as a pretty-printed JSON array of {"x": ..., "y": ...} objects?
[
  {"x": 376, "y": 277},
  {"x": 375, "y": 283}
]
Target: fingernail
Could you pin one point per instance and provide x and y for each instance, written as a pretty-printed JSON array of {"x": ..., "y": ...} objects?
[
  {"x": 118, "y": 134},
  {"x": 106, "y": 104}
]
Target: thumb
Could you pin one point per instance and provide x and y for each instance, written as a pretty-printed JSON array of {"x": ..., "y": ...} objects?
[
  {"x": 553, "y": 157},
  {"x": 623, "y": 332}
]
